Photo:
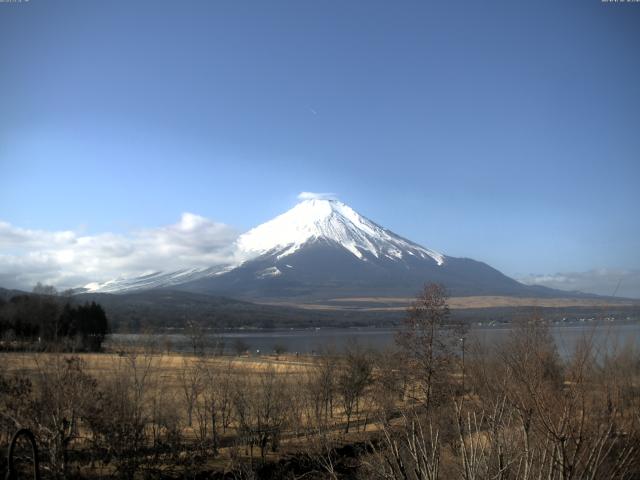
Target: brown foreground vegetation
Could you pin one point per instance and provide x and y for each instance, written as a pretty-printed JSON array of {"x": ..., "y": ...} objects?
[{"x": 434, "y": 408}]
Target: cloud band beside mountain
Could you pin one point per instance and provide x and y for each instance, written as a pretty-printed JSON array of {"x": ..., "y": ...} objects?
[
  {"x": 68, "y": 259},
  {"x": 624, "y": 283}
]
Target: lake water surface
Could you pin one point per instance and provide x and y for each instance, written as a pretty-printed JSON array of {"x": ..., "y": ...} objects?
[{"x": 606, "y": 337}]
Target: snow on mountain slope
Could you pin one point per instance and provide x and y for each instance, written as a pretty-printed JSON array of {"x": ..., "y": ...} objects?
[
  {"x": 323, "y": 249},
  {"x": 153, "y": 280},
  {"x": 313, "y": 220},
  {"x": 329, "y": 220}
]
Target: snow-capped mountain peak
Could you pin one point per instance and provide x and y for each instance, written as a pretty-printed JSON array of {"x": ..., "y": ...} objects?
[
  {"x": 312, "y": 221},
  {"x": 322, "y": 249},
  {"x": 329, "y": 221}
]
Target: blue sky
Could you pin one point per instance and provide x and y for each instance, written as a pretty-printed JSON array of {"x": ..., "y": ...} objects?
[{"x": 503, "y": 131}]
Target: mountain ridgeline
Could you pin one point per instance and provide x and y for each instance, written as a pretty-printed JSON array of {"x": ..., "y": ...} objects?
[{"x": 323, "y": 249}]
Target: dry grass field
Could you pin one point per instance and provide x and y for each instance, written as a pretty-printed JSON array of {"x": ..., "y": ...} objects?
[
  {"x": 396, "y": 304},
  {"x": 169, "y": 365},
  {"x": 247, "y": 396},
  {"x": 148, "y": 414}
]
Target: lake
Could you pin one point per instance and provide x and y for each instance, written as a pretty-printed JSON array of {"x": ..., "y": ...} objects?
[{"x": 606, "y": 336}]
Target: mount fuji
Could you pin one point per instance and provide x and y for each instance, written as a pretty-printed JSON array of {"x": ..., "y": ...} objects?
[{"x": 323, "y": 249}]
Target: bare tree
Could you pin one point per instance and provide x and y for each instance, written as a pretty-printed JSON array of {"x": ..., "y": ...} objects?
[
  {"x": 214, "y": 408},
  {"x": 240, "y": 346},
  {"x": 41, "y": 289},
  {"x": 261, "y": 410},
  {"x": 165, "y": 425},
  {"x": 196, "y": 335},
  {"x": 353, "y": 378},
  {"x": 321, "y": 449},
  {"x": 429, "y": 341},
  {"x": 322, "y": 385},
  {"x": 190, "y": 380},
  {"x": 279, "y": 349},
  {"x": 63, "y": 394},
  {"x": 391, "y": 379},
  {"x": 121, "y": 412},
  {"x": 409, "y": 451}
]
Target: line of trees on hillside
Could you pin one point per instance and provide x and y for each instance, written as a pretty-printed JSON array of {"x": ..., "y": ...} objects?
[
  {"x": 423, "y": 411},
  {"x": 45, "y": 318}
]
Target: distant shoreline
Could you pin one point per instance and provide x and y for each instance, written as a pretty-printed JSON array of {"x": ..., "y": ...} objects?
[{"x": 455, "y": 303}]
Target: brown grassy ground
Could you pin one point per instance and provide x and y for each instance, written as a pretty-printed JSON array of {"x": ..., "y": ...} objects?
[
  {"x": 168, "y": 366},
  {"x": 166, "y": 370},
  {"x": 370, "y": 304}
]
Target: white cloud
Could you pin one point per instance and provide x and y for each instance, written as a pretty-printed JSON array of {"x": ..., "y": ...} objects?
[
  {"x": 317, "y": 196},
  {"x": 600, "y": 281},
  {"x": 69, "y": 259}
]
